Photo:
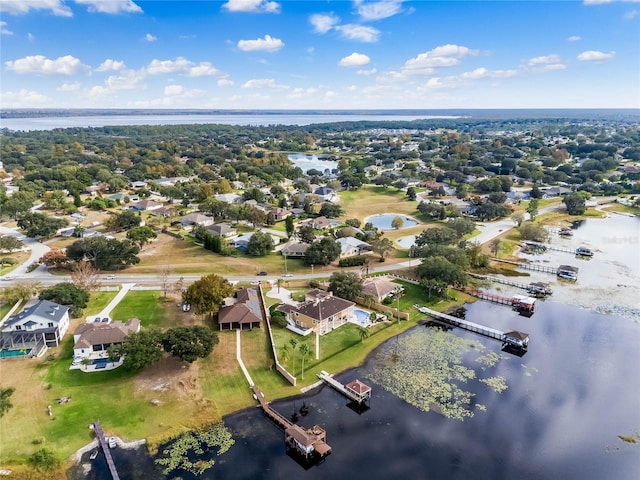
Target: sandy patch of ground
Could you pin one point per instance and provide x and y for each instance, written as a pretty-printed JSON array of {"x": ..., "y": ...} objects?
[{"x": 170, "y": 375}]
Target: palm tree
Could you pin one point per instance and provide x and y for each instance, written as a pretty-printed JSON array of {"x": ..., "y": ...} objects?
[
  {"x": 284, "y": 352},
  {"x": 279, "y": 282},
  {"x": 304, "y": 351},
  {"x": 294, "y": 343},
  {"x": 364, "y": 333}
]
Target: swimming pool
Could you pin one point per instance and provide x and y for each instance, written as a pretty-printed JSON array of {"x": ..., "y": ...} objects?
[
  {"x": 362, "y": 317},
  {"x": 23, "y": 352}
]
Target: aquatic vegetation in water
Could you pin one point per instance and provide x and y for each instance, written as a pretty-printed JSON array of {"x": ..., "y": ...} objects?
[
  {"x": 634, "y": 438},
  {"x": 490, "y": 359},
  {"x": 426, "y": 369},
  {"x": 497, "y": 384},
  {"x": 178, "y": 455}
]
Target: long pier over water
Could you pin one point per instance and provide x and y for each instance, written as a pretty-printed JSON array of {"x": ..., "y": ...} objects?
[
  {"x": 512, "y": 338},
  {"x": 107, "y": 451}
]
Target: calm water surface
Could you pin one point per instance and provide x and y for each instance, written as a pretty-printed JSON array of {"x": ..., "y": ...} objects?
[
  {"x": 308, "y": 162},
  {"x": 568, "y": 399}
]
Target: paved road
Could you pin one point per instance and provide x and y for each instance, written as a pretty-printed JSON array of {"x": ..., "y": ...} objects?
[{"x": 37, "y": 250}]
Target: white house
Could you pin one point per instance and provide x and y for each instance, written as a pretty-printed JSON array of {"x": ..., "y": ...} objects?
[
  {"x": 36, "y": 327},
  {"x": 351, "y": 246}
]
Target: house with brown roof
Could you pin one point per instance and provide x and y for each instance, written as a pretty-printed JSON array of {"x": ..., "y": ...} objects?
[
  {"x": 242, "y": 311},
  {"x": 317, "y": 223},
  {"x": 92, "y": 340},
  {"x": 294, "y": 249},
  {"x": 320, "y": 312},
  {"x": 278, "y": 214},
  {"x": 379, "y": 288}
]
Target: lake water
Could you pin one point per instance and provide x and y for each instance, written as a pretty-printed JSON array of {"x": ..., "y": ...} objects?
[
  {"x": 246, "y": 119},
  {"x": 568, "y": 399},
  {"x": 308, "y": 162}
]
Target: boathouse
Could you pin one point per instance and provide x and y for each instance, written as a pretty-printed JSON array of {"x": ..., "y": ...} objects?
[
  {"x": 522, "y": 303},
  {"x": 567, "y": 271},
  {"x": 308, "y": 443},
  {"x": 359, "y": 389}
]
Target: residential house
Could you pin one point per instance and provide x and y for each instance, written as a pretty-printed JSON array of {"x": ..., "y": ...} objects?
[
  {"x": 379, "y": 288},
  {"x": 222, "y": 230},
  {"x": 192, "y": 219},
  {"x": 321, "y": 312},
  {"x": 138, "y": 184},
  {"x": 278, "y": 214},
  {"x": 37, "y": 327},
  {"x": 166, "y": 212},
  {"x": 121, "y": 197},
  {"x": 242, "y": 311},
  {"x": 326, "y": 194},
  {"x": 294, "y": 249},
  {"x": 351, "y": 246},
  {"x": 92, "y": 340},
  {"x": 553, "y": 192},
  {"x": 317, "y": 223},
  {"x": 229, "y": 198},
  {"x": 143, "y": 206}
]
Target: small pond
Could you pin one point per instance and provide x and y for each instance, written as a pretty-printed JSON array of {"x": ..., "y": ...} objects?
[
  {"x": 309, "y": 162},
  {"x": 406, "y": 242},
  {"x": 383, "y": 221}
]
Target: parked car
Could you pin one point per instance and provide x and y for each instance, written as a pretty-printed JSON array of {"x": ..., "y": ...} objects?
[
  {"x": 288, "y": 275},
  {"x": 262, "y": 274},
  {"x": 110, "y": 277},
  {"x": 186, "y": 307}
]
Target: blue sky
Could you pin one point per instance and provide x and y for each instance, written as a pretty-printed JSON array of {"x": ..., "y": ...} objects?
[{"x": 305, "y": 54}]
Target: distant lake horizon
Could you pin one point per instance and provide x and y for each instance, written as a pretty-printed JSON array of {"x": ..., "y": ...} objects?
[{"x": 49, "y": 119}]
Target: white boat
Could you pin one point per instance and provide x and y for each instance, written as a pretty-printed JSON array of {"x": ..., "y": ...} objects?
[
  {"x": 113, "y": 443},
  {"x": 93, "y": 455}
]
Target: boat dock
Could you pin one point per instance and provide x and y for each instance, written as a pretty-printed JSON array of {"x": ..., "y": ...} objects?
[
  {"x": 355, "y": 391},
  {"x": 97, "y": 428},
  {"x": 517, "y": 302},
  {"x": 309, "y": 443},
  {"x": 541, "y": 247},
  {"x": 534, "y": 288},
  {"x": 512, "y": 338},
  {"x": 528, "y": 266}
]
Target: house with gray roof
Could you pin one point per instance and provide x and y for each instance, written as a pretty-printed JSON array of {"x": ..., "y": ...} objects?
[
  {"x": 222, "y": 230},
  {"x": 37, "y": 327},
  {"x": 192, "y": 219},
  {"x": 351, "y": 246}
]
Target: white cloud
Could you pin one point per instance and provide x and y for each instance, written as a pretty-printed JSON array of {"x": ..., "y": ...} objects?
[
  {"x": 109, "y": 65},
  {"x": 181, "y": 66},
  {"x": 484, "y": 73},
  {"x": 602, "y": 2},
  {"x": 252, "y": 6},
  {"x": 630, "y": 15},
  {"x": 69, "y": 87},
  {"x": 303, "y": 92},
  {"x": 22, "y": 98},
  {"x": 595, "y": 56},
  {"x": 373, "y": 71},
  {"x": 574, "y": 38},
  {"x": 359, "y": 33},
  {"x": 442, "y": 56},
  {"x": 150, "y": 38},
  {"x": 21, "y": 7},
  {"x": 354, "y": 60},
  {"x": 39, "y": 64},
  {"x": 322, "y": 23},
  {"x": 378, "y": 10},
  {"x": 269, "y": 83},
  {"x": 268, "y": 43},
  {"x": 110, "y": 6},
  {"x": 543, "y": 60},
  {"x": 4, "y": 30},
  {"x": 172, "y": 90},
  {"x": 30, "y": 37},
  {"x": 225, "y": 82},
  {"x": 127, "y": 80}
]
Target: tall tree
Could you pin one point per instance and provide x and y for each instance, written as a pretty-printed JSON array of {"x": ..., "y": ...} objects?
[
  {"x": 66, "y": 293},
  {"x": 104, "y": 253},
  {"x": 532, "y": 208},
  {"x": 206, "y": 295},
  {"x": 139, "y": 349},
  {"x": 382, "y": 246},
  {"x": 346, "y": 285},
  {"x": 397, "y": 222},
  {"x": 85, "y": 276},
  {"x": 189, "y": 343},
  {"x": 141, "y": 235},
  {"x": 5, "y": 402},
  {"x": 304, "y": 351}
]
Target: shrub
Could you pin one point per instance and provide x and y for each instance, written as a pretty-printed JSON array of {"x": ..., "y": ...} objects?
[
  {"x": 44, "y": 459},
  {"x": 314, "y": 283},
  {"x": 352, "y": 261},
  {"x": 9, "y": 261}
]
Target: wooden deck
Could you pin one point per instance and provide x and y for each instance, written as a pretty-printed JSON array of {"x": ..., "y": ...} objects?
[
  {"x": 294, "y": 434},
  {"x": 512, "y": 338},
  {"x": 107, "y": 451},
  {"x": 529, "y": 266},
  {"x": 325, "y": 377}
]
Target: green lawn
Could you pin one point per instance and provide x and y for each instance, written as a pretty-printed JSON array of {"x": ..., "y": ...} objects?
[
  {"x": 144, "y": 305},
  {"x": 98, "y": 301}
]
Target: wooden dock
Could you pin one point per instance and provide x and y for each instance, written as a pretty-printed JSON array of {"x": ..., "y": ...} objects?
[
  {"x": 107, "y": 451},
  {"x": 543, "y": 247},
  {"x": 534, "y": 288},
  {"x": 310, "y": 442},
  {"x": 363, "y": 391},
  {"x": 512, "y": 338},
  {"x": 528, "y": 266},
  {"x": 517, "y": 302}
]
